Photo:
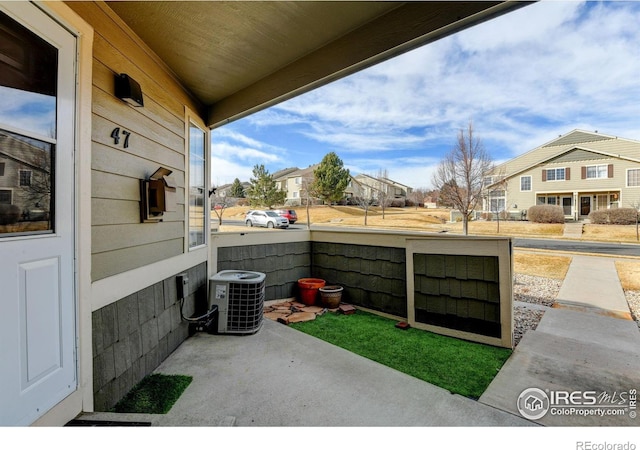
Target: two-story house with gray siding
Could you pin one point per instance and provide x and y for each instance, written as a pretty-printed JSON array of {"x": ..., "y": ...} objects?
[{"x": 580, "y": 171}]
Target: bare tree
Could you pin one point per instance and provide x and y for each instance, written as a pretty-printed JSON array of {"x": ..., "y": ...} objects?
[
  {"x": 416, "y": 197},
  {"x": 460, "y": 174},
  {"x": 382, "y": 189},
  {"x": 219, "y": 203},
  {"x": 309, "y": 193},
  {"x": 365, "y": 198}
]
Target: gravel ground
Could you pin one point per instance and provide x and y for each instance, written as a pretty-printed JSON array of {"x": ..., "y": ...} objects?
[
  {"x": 536, "y": 294},
  {"x": 633, "y": 298},
  {"x": 537, "y": 290},
  {"x": 525, "y": 319}
]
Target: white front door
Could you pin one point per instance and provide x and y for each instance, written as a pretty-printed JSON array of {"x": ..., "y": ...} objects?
[{"x": 37, "y": 289}]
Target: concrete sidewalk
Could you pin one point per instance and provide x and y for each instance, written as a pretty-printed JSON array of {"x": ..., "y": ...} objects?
[
  {"x": 573, "y": 230},
  {"x": 587, "y": 342}
]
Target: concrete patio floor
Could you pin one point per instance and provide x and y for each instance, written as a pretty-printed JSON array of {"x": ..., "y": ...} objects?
[{"x": 282, "y": 377}]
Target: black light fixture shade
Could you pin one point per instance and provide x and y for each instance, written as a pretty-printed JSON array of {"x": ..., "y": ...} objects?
[{"x": 128, "y": 90}]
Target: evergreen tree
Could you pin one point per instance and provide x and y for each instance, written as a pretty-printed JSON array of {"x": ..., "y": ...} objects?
[
  {"x": 236, "y": 190},
  {"x": 331, "y": 178},
  {"x": 263, "y": 190}
]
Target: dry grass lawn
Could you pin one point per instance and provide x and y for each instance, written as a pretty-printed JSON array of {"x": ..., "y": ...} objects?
[
  {"x": 540, "y": 265},
  {"x": 433, "y": 220},
  {"x": 610, "y": 233},
  {"x": 629, "y": 274}
]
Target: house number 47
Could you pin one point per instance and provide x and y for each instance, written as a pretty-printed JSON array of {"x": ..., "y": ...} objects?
[{"x": 116, "y": 134}]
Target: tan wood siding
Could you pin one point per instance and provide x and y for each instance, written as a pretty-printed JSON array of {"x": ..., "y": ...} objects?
[
  {"x": 120, "y": 242},
  {"x": 117, "y": 237},
  {"x": 118, "y": 261},
  {"x": 126, "y": 164}
]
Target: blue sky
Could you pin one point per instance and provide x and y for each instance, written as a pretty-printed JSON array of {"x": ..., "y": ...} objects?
[{"x": 523, "y": 79}]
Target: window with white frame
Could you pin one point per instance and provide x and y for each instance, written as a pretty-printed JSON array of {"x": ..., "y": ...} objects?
[
  {"x": 497, "y": 200},
  {"x": 525, "y": 183},
  {"x": 633, "y": 177},
  {"x": 598, "y": 171},
  {"x": 295, "y": 194},
  {"x": 298, "y": 181},
  {"x": 555, "y": 174},
  {"x": 197, "y": 186}
]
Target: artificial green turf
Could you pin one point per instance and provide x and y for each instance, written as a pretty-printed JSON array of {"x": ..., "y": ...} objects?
[
  {"x": 462, "y": 367},
  {"x": 154, "y": 394}
]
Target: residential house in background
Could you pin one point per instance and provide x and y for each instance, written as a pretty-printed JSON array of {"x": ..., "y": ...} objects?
[
  {"x": 379, "y": 188},
  {"x": 294, "y": 182},
  {"x": 25, "y": 178},
  {"x": 580, "y": 171}
]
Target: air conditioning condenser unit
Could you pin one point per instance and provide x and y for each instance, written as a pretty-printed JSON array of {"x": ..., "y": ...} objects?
[{"x": 239, "y": 298}]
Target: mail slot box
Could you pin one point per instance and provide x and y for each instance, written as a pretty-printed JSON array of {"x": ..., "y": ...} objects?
[{"x": 158, "y": 194}]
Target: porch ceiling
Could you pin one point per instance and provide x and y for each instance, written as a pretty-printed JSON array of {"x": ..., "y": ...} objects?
[{"x": 238, "y": 57}]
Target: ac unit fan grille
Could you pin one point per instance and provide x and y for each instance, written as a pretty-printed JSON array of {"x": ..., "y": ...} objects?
[{"x": 246, "y": 303}]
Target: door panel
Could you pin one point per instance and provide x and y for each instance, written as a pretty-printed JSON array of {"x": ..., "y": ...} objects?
[
  {"x": 566, "y": 205},
  {"x": 585, "y": 205},
  {"x": 39, "y": 295},
  {"x": 37, "y": 235}
]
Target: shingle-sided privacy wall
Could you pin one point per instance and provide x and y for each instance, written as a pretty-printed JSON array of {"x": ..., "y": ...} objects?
[
  {"x": 458, "y": 291},
  {"x": 284, "y": 263},
  {"x": 462, "y": 288},
  {"x": 372, "y": 276},
  {"x": 455, "y": 286},
  {"x": 132, "y": 336}
]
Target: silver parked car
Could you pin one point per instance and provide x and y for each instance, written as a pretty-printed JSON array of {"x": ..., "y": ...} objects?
[{"x": 268, "y": 219}]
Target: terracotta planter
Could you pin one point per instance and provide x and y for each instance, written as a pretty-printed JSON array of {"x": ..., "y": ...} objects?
[
  {"x": 309, "y": 289},
  {"x": 330, "y": 296}
]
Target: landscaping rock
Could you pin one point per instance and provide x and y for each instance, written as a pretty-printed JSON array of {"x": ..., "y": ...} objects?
[
  {"x": 312, "y": 309},
  {"x": 277, "y": 315},
  {"x": 347, "y": 309},
  {"x": 298, "y": 317}
]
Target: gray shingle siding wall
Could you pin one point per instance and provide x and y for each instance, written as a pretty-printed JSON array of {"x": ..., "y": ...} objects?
[
  {"x": 459, "y": 292},
  {"x": 282, "y": 263},
  {"x": 132, "y": 336},
  {"x": 372, "y": 277}
]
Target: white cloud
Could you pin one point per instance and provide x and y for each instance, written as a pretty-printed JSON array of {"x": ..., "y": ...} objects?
[
  {"x": 225, "y": 172},
  {"x": 534, "y": 63},
  {"x": 234, "y": 154},
  {"x": 230, "y": 151},
  {"x": 415, "y": 171}
]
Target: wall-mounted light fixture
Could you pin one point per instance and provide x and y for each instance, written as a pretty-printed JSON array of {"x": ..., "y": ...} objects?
[{"x": 128, "y": 90}]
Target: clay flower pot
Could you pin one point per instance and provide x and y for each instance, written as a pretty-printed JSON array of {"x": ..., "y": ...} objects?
[
  {"x": 330, "y": 296},
  {"x": 308, "y": 288}
]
